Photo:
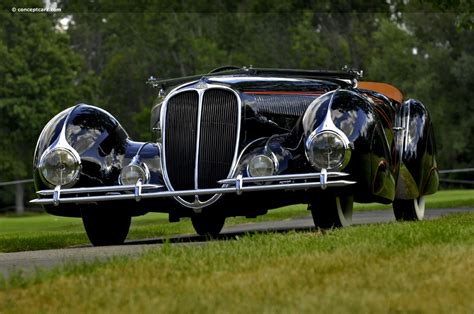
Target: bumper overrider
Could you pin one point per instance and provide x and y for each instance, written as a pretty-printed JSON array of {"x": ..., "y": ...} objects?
[{"x": 238, "y": 185}]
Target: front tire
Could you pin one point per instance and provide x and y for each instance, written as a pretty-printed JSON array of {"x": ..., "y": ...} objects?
[
  {"x": 207, "y": 224},
  {"x": 330, "y": 211},
  {"x": 106, "y": 227},
  {"x": 409, "y": 210}
]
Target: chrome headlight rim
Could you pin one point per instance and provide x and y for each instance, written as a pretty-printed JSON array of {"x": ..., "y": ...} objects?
[
  {"x": 77, "y": 164},
  {"x": 271, "y": 159},
  {"x": 142, "y": 166},
  {"x": 347, "y": 149}
]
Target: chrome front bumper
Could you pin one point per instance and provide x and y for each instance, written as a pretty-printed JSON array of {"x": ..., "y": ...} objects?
[{"x": 237, "y": 185}]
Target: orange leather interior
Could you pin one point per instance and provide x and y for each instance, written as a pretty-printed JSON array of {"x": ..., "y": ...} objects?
[{"x": 382, "y": 88}]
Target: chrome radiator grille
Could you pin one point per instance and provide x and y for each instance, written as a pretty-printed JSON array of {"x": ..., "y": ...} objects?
[
  {"x": 289, "y": 105},
  {"x": 200, "y": 136},
  {"x": 180, "y": 141}
]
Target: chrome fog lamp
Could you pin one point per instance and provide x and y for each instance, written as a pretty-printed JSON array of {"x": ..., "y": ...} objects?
[
  {"x": 261, "y": 165},
  {"x": 60, "y": 166},
  {"x": 327, "y": 150},
  {"x": 133, "y": 172}
]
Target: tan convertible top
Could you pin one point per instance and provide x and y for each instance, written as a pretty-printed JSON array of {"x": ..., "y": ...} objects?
[{"x": 382, "y": 88}]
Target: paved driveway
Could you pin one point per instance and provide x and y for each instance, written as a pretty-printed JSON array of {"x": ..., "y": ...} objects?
[{"x": 45, "y": 259}]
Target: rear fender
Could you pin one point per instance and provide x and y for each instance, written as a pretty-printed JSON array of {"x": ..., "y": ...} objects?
[{"x": 418, "y": 170}]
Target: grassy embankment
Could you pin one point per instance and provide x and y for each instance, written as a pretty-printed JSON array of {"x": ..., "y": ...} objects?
[
  {"x": 396, "y": 267},
  {"x": 46, "y": 231}
]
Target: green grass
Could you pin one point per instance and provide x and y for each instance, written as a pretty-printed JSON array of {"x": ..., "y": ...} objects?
[
  {"x": 396, "y": 267},
  {"x": 46, "y": 231}
]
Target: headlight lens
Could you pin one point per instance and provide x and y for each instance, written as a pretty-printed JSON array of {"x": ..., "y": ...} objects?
[
  {"x": 260, "y": 166},
  {"x": 326, "y": 150},
  {"x": 131, "y": 173},
  {"x": 60, "y": 166}
]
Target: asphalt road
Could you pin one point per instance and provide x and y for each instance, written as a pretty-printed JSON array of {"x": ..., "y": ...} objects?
[{"x": 29, "y": 261}]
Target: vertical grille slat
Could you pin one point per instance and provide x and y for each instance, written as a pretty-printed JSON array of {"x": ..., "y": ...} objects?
[{"x": 218, "y": 136}]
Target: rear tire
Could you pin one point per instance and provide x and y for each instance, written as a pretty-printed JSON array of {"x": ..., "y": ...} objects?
[
  {"x": 409, "y": 210},
  {"x": 330, "y": 211},
  {"x": 106, "y": 227},
  {"x": 207, "y": 224}
]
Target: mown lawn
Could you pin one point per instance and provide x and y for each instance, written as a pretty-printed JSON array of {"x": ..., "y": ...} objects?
[
  {"x": 46, "y": 231},
  {"x": 423, "y": 267}
]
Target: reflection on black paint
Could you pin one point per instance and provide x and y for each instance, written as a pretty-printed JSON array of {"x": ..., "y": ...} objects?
[
  {"x": 49, "y": 134},
  {"x": 349, "y": 112}
]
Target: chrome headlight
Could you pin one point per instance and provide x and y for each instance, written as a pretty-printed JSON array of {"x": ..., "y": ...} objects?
[
  {"x": 327, "y": 150},
  {"x": 60, "y": 166},
  {"x": 133, "y": 172},
  {"x": 261, "y": 165}
]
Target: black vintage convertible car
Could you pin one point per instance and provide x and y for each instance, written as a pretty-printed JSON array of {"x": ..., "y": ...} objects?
[{"x": 238, "y": 142}]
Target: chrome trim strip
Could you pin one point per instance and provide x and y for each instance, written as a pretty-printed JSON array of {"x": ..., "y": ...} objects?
[
  {"x": 327, "y": 125},
  {"x": 407, "y": 127},
  {"x": 244, "y": 150},
  {"x": 114, "y": 188},
  {"x": 219, "y": 191},
  {"x": 198, "y": 140},
  {"x": 178, "y": 88},
  {"x": 163, "y": 140},
  {"x": 285, "y": 177},
  {"x": 234, "y": 165}
]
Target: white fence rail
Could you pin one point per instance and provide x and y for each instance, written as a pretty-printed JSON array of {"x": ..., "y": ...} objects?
[
  {"x": 456, "y": 170},
  {"x": 20, "y": 187},
  {"x": 19, "y": 193},
  {"x": 16, "y": 182},
  {"x": 456, "y": 181}
]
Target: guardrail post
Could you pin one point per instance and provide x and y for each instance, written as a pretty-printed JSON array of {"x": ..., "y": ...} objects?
[{"x": 20, "y": 206}]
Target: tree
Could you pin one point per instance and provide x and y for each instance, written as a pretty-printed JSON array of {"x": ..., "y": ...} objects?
[{"x": 39, "y": 76}]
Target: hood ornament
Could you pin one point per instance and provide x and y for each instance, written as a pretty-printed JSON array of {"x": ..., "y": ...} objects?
[{"x": 201, "y": 85}]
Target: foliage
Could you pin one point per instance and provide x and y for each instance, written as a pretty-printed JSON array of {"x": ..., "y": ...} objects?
[
  {"x": 39, "y": 76},
  {"x": 430, "y": 59}
]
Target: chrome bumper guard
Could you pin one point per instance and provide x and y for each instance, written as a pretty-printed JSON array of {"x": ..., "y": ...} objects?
[{"x": 237, "y": 185}]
